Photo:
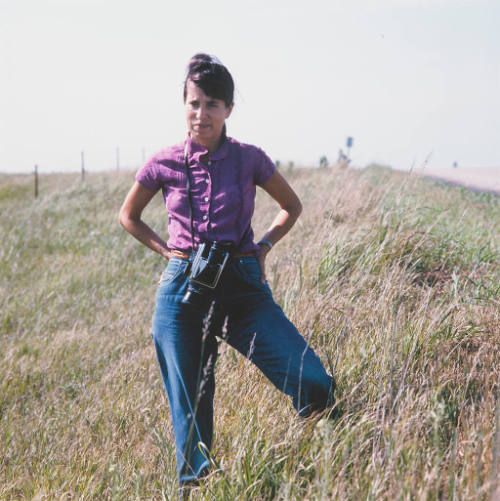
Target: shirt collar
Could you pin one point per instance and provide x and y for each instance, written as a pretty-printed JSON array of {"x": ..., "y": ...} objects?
[{"x": 196, "y": 150}]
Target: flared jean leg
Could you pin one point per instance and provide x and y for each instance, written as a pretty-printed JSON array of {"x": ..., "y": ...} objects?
[
  {"x": 259, "y": 329},
  {"x": 186, "y": 352}
]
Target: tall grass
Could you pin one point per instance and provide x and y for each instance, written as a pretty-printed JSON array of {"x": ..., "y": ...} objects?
[{"x": 394, "y": 280}]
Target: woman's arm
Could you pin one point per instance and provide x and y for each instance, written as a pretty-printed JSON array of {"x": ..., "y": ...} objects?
[
  {"x": 130, "y": 218},
  {"x": 290, "y": 209}
]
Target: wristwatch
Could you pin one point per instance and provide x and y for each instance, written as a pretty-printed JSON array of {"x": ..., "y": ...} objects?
[{"x": 265, "y": 242}]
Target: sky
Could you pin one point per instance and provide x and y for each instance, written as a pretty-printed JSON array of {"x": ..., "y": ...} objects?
[{"x": 414, "y": 82}]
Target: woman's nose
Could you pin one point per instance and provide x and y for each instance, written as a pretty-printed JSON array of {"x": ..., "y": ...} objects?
[{"x": 201, "y": 112}]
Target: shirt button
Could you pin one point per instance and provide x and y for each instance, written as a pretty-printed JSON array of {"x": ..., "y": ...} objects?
[
  {"x": 206, "y": 199},
  {"x": 210, "y": 162},
  {"x": 207, "y": 180},
  {"x": 204, "y": 218}
]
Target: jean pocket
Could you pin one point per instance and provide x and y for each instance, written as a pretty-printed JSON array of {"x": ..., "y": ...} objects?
[
  {"x": 174, "y": 269},
  {"x": 250, "y": 269}
]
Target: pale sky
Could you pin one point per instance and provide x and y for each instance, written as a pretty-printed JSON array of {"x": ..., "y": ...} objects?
[{"x": 409, "y": 80}]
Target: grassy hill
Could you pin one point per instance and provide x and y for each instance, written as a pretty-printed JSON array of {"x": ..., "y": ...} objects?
[{"x": 394, "y": 280}]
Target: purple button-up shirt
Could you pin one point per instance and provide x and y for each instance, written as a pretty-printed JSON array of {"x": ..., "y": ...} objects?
[{"x": 222, "y": 191}]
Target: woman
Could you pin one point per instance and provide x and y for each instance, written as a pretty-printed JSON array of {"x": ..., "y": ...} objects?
[{"x": 222, "y": 174}]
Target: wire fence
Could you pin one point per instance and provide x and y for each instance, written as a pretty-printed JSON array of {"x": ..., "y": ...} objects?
[{"x": 118, "y": 166}]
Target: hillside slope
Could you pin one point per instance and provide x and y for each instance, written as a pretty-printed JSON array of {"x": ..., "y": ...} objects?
[{"x": 394, "y": 280}]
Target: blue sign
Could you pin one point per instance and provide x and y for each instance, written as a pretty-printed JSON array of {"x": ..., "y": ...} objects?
[{"x": 349, "y": 142}]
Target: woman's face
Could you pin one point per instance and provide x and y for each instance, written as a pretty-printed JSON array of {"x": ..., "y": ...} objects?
[{"x": 205, "y": 116}]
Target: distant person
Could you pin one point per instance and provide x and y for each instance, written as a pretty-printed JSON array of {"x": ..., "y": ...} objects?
[{"x": 208, "y": 183}]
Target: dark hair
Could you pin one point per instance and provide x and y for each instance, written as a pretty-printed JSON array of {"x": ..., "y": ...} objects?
[{"x": 208, "y": 73}]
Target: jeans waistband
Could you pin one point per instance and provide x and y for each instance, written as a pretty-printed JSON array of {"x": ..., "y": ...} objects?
[{"x": 185, "y": 255}]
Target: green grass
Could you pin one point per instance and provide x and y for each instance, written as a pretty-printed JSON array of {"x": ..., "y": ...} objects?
[{"x": 394, "y": 280}]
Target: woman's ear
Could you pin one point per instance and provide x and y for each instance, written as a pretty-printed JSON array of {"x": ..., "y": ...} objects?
[{"x": 229, "y": 109}]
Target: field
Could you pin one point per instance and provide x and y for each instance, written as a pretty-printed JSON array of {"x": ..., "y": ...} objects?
[{"x": 394, "y": 279}]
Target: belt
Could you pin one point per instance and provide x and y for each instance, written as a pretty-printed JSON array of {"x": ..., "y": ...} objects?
[{"x": 185, "y": 255}]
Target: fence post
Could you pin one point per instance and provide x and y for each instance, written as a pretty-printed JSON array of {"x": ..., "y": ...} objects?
[
  {"x": 36, "y": 181},
  {"x": 83, "y": 166}
]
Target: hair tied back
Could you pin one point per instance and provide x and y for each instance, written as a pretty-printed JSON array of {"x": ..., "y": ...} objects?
[{"x": 211, "y": 76}]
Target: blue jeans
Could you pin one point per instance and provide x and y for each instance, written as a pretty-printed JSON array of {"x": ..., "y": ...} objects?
[{"x": 245, "y": 315}]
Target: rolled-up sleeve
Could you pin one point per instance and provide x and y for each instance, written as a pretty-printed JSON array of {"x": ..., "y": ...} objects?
[
  {"x": 264, "y": 168},
  {"x": 148, "y": 176}
]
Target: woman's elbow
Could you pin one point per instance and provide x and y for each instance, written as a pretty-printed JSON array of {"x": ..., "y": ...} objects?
[
  {"x": 124, "y": 218},
  {"x": 299, "y": 208},
  {"x": 296, "y": 209},
  {"x": 293, "y": 211}
]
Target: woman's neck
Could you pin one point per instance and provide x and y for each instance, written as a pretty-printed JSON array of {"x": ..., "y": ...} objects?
[{"x": 212, "y": 146}]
